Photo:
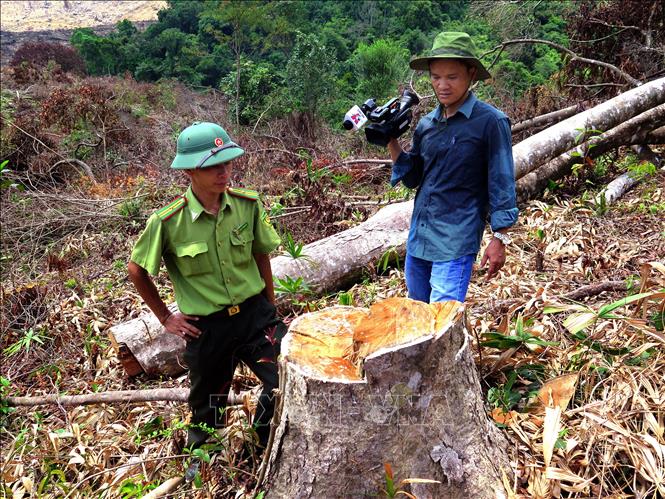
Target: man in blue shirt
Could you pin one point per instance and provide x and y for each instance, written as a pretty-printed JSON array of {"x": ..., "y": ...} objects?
[{"x": 461, "y": 162}]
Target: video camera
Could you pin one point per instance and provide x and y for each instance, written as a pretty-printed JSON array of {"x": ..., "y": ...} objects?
[{"x": 388, "y": 121}]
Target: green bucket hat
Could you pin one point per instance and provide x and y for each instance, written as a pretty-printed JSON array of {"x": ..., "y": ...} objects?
[
  {"x": 451, "y": 45},
  {"x": 203, "y": 144}
]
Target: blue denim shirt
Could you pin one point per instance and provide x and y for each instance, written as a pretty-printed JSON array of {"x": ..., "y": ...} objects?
[{"x": 463, "y": 169}]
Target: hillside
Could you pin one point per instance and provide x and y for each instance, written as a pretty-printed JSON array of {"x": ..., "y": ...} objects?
[{"x": 46, "y": 15}]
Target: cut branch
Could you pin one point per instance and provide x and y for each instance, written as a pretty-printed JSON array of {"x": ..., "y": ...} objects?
[
  {"x": 546, "y": 119},
  {"x": 114, "y": 397}
]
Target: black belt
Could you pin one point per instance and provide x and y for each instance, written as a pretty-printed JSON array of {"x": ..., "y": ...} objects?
[{"x": 232, "y": 310}]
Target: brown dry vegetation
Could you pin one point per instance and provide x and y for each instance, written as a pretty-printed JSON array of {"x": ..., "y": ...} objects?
[{"x": 67, "y": 236}]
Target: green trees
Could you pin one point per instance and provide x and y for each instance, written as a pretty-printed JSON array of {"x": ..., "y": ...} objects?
[
  {"x": 379, "y": 67},
  {"x": 318, "y": 56},
  {"x": 310, "y": 73}
]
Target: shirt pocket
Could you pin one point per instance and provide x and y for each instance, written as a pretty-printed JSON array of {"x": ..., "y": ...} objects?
[
  {"x": 241, "y": 245},
  {"x": 192, "y": 258}
]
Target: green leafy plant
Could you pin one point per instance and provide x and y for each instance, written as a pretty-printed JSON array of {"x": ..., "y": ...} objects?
[
  {"x": 275, "y": 209},
  {"x": 600, "y": 206},
  {"x": 503, "y": 395},
  {"x": 640, "y": 170},
  {"x": 389, "y": 256},
  {"x": 341, "y": 179},
  {"x": 345, "y": 298},
  {"x": 584, "y": 317},
  {"x": 26, "y": 342},
  {"x": 315, "y": 174},
  {"x": 521, "y": 338},
  {"x": 131, "y": 208},
  {"x": 54, "y": 477},
  {"x": 5, "y": 383},
  {"x": 291, "y": 286},
  {"x": 5, "y": 183},
  {"x": 131, "y": 488},
  {"x": 293, "y": 249}
]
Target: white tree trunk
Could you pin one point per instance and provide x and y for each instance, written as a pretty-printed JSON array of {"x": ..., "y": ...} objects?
[
  {"x": 555, "y": 140},
  {"x": 417, "y": 406}
]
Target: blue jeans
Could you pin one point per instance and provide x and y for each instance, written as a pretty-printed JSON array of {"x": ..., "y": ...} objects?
[{"x": 438, "y": 281}]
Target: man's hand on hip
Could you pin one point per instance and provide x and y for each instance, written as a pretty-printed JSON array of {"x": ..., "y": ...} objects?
[
  {"x": 495, "y": 253},
  {"x": 178, "y": 324}
]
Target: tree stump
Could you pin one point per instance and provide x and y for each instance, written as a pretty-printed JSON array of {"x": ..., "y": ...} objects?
[{"x": 393, "y": 384}]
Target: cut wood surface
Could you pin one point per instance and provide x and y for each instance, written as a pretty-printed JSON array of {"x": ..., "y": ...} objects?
[{"x": 393, "y": 384}]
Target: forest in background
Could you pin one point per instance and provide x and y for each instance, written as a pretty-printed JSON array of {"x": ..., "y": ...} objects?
[
  {"x": 271, "y": 58},
  {"x": 84, "y": 157}
]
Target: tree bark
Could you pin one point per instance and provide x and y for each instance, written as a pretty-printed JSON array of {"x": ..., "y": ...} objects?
[
  {"x": 396, "y": 384},
  {"x": 555, "y": 140},
  {"x": 632, "y": 131}
]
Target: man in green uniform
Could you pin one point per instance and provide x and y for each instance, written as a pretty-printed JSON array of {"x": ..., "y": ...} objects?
[{"x": 215, "y": 242}]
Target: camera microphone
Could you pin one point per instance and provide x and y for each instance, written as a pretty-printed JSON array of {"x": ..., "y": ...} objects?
[{"x": 354, "y": 119}]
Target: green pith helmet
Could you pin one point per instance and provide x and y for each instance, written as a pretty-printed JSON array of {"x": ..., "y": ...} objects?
[
  {"x": 451, "y": 45},
  {"x": 203, "y": 144}
]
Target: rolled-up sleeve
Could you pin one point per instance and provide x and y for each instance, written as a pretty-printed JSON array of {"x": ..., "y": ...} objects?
[
  {"x": 501, "y": 175},
  {"x": 408, "y": 168}
]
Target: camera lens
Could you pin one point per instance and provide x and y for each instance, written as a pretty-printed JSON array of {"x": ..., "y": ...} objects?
[{"x": 347, "y": 124}]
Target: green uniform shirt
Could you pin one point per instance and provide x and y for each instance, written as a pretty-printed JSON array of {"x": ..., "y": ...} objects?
[{"x": 209, "y": 259}]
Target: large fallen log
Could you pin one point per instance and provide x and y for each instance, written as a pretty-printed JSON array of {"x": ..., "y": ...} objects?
[
  {"x": 550, "y": 143},
  {"x": 633, "y": 131},
  {"x": 394, "y": 384}
]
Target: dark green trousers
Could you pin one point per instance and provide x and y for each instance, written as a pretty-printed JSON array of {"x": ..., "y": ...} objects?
[{"x": 252, "y": 336}]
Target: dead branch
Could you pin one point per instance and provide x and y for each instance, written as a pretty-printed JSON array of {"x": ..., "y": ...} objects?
[
  {"x": 656, "y": 136},
  {"x": 502, "y": 307},
  {"x": 350, "y": 162},
  {"x": 64, "y": 160},
  {"x": 114, "y": 397},
  {"x": 573, "y": 57},
  {"x": 546, "y": 119},
  {"x": 86, "y": 168}
]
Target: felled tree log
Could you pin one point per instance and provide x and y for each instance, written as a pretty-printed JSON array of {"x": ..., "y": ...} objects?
[
  {"x": 555, "y": 140},
  {"x": 393, "y": 384},
  {"x": 143, "y": 345},
  {"x": 632, "y": 131}
]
